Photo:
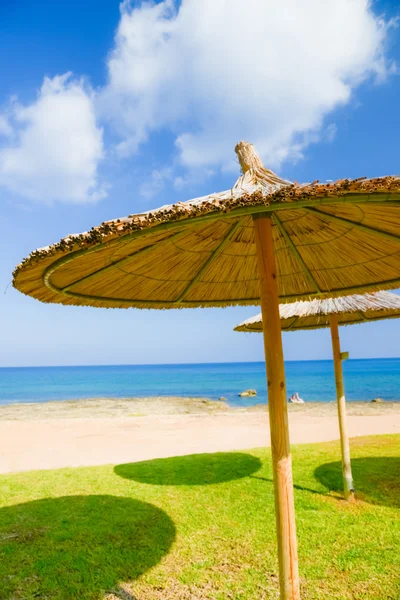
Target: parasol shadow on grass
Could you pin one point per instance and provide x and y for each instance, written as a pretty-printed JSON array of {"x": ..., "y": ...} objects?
[
  {"x": 194, "y": 469},
  {"x": 378, "y": 478},
  {"x": 79, "y": 546}
]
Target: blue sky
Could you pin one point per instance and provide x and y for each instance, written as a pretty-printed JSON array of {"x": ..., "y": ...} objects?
[{"x": 141, "y": 107}]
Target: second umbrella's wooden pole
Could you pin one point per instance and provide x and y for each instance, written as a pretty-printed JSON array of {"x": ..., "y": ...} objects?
[
  {"x": 278, "y": 413},
  {"x": 341, "y": 404}
]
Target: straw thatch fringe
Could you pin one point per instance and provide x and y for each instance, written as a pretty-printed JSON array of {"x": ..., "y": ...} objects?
[{"x": 314, "y": 314}]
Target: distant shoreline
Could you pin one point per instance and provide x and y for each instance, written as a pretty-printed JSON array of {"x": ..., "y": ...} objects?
[{"x": 95, "y": 408}]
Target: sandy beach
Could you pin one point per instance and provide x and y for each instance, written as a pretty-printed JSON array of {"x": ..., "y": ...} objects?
[{"x": 102, "y": 431}]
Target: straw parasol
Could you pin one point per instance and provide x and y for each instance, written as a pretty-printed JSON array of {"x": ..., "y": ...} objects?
[
  {"x": 333, "y": 312},
  {"x": 264, "y": 239}
]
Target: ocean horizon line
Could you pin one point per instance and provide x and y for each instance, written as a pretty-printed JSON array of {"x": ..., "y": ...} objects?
[{"x": 189, "y": 364}]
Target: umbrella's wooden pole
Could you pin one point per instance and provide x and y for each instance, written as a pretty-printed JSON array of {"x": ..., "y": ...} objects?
[
  {"x": 341, "y": 404},
  {"x": 278, "y": 414}
]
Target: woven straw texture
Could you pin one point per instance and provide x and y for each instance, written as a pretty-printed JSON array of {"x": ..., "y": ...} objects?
[
  {"x": 330, "y": 239},
  {"x": 314, "y": 314}
]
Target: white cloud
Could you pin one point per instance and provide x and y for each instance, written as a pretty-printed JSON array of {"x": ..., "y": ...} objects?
[
  {"x": 5, "y": 127},
  {"x": 53, "y": 145},
  {"x": 210, "y": 72},
  {"x": 159, "y": 178},
  {"x": 217, "y": 71},
  {"x": 152, "y": 186}
]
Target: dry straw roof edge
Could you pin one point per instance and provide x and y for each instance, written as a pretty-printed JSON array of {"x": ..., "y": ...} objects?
[
  {"x": 330, "y": 239},
  {"x": 314, "y": 314}
]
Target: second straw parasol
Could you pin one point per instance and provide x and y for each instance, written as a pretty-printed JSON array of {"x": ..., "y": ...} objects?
[
  {"x": 263, "y": 240},
  {"x": 332, "y": 312}
]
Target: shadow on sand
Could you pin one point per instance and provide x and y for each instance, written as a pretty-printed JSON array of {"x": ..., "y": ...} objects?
[
  {"x": 79, "y": 546},
  {"x": 195, "y": 469},
  {"x": 376, "y": 479}
]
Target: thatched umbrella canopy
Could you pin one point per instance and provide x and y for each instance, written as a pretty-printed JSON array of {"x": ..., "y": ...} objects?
[
  {"x": 316, "y": 314},
  {"x": 332, "y": 312},
  {"x": 264, "y": 239},
  {"x": 202, "y": 253}
]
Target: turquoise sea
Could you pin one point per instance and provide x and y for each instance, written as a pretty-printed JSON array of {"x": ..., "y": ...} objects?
[{"x": 364, "y": 380}]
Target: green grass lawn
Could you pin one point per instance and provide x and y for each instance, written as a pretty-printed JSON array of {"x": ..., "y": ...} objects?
[{"x": 202, "y": 527}]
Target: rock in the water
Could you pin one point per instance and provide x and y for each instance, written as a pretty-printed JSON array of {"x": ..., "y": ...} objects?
[
  {"x": 223, "y": 399},
  {"x": 248, "y": 393},
  {"x": 377, "y": 400}
]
